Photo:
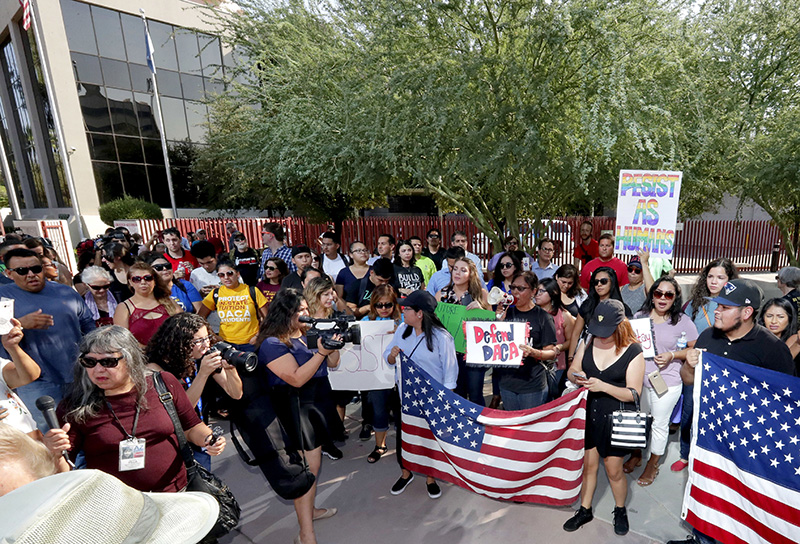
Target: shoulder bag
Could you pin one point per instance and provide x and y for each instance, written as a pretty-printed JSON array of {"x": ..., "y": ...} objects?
[
  {"x": 630, "y": 428},
  {"x": 198, "y": 477}
]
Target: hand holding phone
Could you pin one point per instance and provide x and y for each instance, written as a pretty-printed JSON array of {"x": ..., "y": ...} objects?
[{"x": 580, "y": 375}]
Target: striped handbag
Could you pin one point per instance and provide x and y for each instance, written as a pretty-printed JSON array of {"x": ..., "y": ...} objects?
[{"x": 630, "y": 428}]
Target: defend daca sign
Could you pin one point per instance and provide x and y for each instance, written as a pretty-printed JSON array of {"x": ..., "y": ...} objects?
[
  {"x": 647, "y": 211},
  {"x": 495, "y": 343}
]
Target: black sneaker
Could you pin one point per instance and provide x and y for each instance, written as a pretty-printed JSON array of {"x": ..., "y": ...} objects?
[
  {"x": 401, "y": 484},
  {"x": 434, "y": 491},
  {"x": 620, "y": 520},
  {"x": 366, "y": 432},
  {"x": 581, "y": 517},
  {"x": 333, "y": 452}
]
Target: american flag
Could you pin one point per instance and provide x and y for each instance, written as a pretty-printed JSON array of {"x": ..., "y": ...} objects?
[
  {"x": 531, "y": 455},
  {"x": 26, "y": 13},
  {"x": 744, "y": 482}
]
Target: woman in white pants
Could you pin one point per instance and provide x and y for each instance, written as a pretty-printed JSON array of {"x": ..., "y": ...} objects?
[{"x": 662, "y": 380}]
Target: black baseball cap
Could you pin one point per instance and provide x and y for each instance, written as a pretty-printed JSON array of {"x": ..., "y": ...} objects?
[
  {"x": 739, "y": 293},
  {"x": 608, "y": 314},
  {"x": 420, "y": 299},
  {"x": 299, "y": 250}
]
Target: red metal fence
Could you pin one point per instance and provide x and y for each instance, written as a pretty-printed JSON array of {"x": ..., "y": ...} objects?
[{"x": 747, "y": 243}]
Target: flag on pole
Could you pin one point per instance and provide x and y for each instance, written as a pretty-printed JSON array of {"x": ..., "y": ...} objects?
[
  {"x": 148, "y": 46},
  {"x": 26, "y": 13},
  {"x": 744, "y": 477},
  {"x": 531, "y": 455}
]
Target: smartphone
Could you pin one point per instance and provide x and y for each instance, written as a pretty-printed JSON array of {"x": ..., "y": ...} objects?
[
  {"x": 658, "y": 383},
  {"x": 580, "y": 375}
]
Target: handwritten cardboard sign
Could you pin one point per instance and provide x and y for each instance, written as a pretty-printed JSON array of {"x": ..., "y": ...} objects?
[
  {"x": 644, "y": 332},
  {"x": 362, "y": 367},
  {"x": 647, "y": 211},
  {"x": 491, "y": 343}
]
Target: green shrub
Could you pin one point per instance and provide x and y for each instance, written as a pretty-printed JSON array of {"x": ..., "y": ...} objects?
[{"x": 129, "y": 208}]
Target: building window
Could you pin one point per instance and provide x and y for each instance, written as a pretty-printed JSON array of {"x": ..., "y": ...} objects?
[{"x": 115, "y": 89}]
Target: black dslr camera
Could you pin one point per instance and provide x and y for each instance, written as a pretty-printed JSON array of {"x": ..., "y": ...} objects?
[
  {"x": 242, "y": 360},
  {"x": 341, "y": 326}
]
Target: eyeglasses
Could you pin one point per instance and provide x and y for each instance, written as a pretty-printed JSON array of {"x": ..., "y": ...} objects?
[
  {"x": 601, "y": 281},
  {"x": 541, "y": 291},
  {"x": 634, "y": 270},
  {"x": 506, "y": 265},
  {"x": 106, "y": 362},
  {"x": 227, "y": 274},
  {"x": 23, "y": 270},
  {"x": 669, "y": 295},
  {"x": 271, "y": 268},
  {"x": 137, "y": 279},
  {"x": 517, "y": 287},
  {"x": 360, "y": 251},
  {"x": 384, "y": 305},
  {"x": 201, "y": 341},
  {"x": 547, "y": 249},
  {"x": 100, "y": 287},
  {"x": 434, "y": 236},
  {"x": 162, "y": 267}
]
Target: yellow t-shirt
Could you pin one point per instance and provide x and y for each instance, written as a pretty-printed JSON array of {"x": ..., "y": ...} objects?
[{"x": 238, "y": 317}]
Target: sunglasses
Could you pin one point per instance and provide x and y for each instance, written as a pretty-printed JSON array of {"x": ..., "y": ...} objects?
[
  {"x": 517, "y": 287},
  {"x": 106, "y": 362},
  {"x": 384, "y": 305},
  {"x": 271, "y": 268},
  {"x": 23, "y": 270},
  {"x": 634, "y": 270},
  {"x": 506, "y": 265},
  {"x": 137, "y": 279},
  {"x": 227, "y": 274},
  {"x": 162, "y": 267},
  {"x": 434, "y": 236},
  {"x": 201, "y": 341},
  {"x": 669, "y": 295},
  {"x": 601, "y": 281},
  {"x": 100, "y": 287}
]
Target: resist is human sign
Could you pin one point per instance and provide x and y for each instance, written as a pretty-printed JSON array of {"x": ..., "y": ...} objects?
[
  {"x": 495, "y": 343},
  {"x": 362, "y": 367},
  {"x": 647, "y": 211}
]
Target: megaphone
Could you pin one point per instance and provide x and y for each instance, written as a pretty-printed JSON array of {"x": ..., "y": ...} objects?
[{"x": 498, "y": 296}]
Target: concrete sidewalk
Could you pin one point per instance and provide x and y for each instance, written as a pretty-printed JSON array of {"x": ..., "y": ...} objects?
[{"x": 369, "y": 513}]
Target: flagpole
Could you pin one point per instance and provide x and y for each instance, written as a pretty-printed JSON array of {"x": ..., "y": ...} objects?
[
  {"x": 160, "y": 119},
  {"x": 62, "y": 145}
]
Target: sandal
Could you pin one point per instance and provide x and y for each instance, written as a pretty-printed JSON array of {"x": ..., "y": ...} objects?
[
  {"x": 644, "y": 482},
  {"x": 629, "y": 467},
  {"x": 376, "y": 454}
]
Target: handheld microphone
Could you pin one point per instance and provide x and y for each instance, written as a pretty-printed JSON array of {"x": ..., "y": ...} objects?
[{"x": 47, "y": 406}]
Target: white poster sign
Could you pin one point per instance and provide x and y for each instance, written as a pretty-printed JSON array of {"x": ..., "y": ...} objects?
[
  {"x": 362, "y": 366},
  {"x": 495, "y": 343},
  {"x": 647, "y": 211},
  {"x": 131, "y": 224},
  {"x": 644, "y": 332}
]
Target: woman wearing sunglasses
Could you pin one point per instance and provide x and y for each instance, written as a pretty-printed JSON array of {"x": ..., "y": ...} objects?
[
  {"x": 603, "y": 285},
  {"x": 114, "y": 415},
  {"x": 181, "y": 346},
  {"x": 507, "y": 267},
  {"x": 98, "y": 297},
  {"x": 183, "y": 292},
  {"x": 239, "y": 306},
  {"x": 275, "y": 269},
  {"x": 668, "y": 323},
  {"x": 149, "y": 306},
  {"x": 382, "y": 307}
]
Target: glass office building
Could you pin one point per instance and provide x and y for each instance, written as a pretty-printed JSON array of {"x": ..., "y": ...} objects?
[{"x": 103, "y": 90}]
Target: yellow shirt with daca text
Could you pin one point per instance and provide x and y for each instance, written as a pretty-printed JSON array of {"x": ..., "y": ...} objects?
[{"x": 238, "y": 317}]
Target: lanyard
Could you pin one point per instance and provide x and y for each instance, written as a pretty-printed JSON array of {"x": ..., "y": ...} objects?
[{"x": 132, "y": 434}]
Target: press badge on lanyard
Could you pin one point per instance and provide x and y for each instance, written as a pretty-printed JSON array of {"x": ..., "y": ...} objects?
[{"x": 132, "y": 449}]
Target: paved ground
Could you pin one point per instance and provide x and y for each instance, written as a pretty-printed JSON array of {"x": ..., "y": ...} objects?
[{"x": 369, "y": 513}]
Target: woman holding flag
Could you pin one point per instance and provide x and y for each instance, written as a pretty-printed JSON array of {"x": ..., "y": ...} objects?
[{"x": 422, "y": 338}]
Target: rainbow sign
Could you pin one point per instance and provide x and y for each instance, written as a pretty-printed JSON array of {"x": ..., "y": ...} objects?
[{"x": 647, "y": 211}]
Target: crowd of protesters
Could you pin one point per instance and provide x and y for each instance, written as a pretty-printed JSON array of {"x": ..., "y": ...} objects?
[{"x": 95, "y": 340}]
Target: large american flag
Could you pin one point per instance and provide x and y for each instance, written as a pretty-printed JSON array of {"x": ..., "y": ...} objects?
[
  {"x": 26, "y": 13},
  {"x": 744, "y": 479},
  {"x": 530, "y": 455}
]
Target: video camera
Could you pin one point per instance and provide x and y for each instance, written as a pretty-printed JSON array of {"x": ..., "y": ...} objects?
[
  {"x": 242, "y": 360},
  {"x": 341, "y": 326}
]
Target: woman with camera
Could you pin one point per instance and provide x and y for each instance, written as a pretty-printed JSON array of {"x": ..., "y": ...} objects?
[
  {"x": 181, "y": 346},
  {"x": 114, "y": 415},
  {"x": 296, "y": 372}
]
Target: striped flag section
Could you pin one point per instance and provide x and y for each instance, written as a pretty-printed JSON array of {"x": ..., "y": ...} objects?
[
  {"x": 26, "y": 13},
  {"x": 744, "y": 479},
  {"x": 531, "y": 455}
]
